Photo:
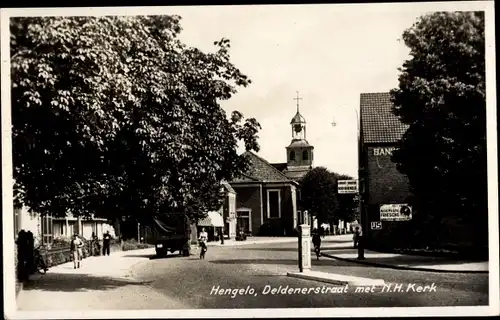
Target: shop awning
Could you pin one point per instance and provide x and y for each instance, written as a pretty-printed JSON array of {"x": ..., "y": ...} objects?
[{"x": 213, "y": 219}]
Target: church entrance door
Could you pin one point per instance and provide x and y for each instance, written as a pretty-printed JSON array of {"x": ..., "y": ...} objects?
[{"x": 243, "y": 221}]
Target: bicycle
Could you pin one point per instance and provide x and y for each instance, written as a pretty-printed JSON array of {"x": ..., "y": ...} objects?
[
  {"x": 317, "y": 250},
  {"x": 203, "y": 249},
  {"x": 40, "y": 263}
]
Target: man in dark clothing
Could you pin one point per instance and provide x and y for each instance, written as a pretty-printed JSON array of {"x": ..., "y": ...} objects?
[
  {"x": 106, "y": 243},
  {"x": 316, "y": 240}
]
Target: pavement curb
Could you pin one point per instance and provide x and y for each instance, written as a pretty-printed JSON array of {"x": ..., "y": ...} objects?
[{"x": 388, "y": 266}]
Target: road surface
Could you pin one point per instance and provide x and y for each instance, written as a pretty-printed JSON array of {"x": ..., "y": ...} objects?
[{"x": 244, "y": 277}]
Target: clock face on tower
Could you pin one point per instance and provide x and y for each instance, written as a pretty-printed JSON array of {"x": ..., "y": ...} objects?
[{"x": 297, "y": 128}]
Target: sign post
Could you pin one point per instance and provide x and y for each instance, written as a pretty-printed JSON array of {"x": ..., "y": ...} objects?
[
  {"x": 304, "y": 248},
  {"x": 361, "y": 247}
]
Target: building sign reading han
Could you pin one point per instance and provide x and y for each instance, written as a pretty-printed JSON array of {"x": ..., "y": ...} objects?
[
  {"x": 377, "y": 152},
  {"x": 347, "y": 186},
  {"x": 395, "y": 212}
]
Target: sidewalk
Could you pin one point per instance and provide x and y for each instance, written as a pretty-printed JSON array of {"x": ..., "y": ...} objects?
[
  {"x": 342, "y": 250},
  {"x": 92, "y": 286}
]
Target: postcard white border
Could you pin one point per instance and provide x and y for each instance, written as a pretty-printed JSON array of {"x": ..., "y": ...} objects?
[{"x": 7, "y": 181}]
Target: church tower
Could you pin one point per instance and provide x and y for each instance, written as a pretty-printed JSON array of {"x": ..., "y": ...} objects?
[{"x": 300, "y": 154}]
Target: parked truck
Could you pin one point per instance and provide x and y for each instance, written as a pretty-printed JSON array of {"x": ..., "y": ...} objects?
[{"x": 172, "y": 233}]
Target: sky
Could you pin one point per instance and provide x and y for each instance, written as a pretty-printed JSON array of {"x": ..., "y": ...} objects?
[{"x": 328, "y": 53}]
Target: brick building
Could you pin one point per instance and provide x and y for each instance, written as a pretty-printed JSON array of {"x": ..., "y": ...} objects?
[{"x": 380, "y": 181}]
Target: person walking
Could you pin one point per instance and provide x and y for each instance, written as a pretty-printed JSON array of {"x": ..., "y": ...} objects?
[
  {"x": 356, "y": 236},
  {"x": 106, "y": 242},
  {"x": 316, "y": 240},
  {"x": 76, "y": 251}
]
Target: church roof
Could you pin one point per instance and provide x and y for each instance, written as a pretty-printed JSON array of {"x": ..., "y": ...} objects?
[
  {"x": 280, "y": 166},
  {"x": 298, "y": 118},
  {"x": 261, "y": 171},
  {"x": 378, "y": 123},
  {"x": 299, "y": 144},
  {"x": 296, "y": 174}
]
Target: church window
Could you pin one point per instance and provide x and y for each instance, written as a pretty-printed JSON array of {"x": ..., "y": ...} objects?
[
  {"x": 292, "y": 155},
  {"x": 274, "y": 203},
  {"x": 305, "y": 155}
]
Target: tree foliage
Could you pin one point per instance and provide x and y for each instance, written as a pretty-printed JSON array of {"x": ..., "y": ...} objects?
[
  {"x": 116, "y": 116},
  {"x": 441, "y": 96},
  {"x": 319, "y": 195}
]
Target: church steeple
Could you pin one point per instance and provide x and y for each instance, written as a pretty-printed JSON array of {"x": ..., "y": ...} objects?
[
  {"x": 299, "y": 152},
  {"x": 298, "y": 123}
]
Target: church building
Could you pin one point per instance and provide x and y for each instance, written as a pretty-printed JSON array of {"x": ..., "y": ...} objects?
[{"x": 267, "y": 194}]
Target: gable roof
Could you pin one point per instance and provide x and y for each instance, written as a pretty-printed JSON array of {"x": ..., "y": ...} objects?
[
  {"x": 378, "y": 123},
  {"x": 261, "y": 171},
  {"x": 244, "y": 178}
]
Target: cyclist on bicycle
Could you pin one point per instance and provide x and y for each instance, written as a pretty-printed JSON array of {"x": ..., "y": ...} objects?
[
  {"x": 316, "y": 240},
  {"x": 202, "y": 239}
]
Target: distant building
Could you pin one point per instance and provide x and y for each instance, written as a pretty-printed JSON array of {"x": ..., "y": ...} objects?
[
  {"x": 380, "y": 181},
  {"x": 229, "y": 211},
  {"x": 47, "y": 228},
  {"x": 224, "y": 218}
]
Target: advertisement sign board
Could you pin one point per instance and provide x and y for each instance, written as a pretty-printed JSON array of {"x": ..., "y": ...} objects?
[
  {"x": 347, "y": 186},
  {"x": 395, "y": 212}
]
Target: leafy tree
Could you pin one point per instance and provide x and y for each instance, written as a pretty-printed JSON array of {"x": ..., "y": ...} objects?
[
  {"x": 347, "y": 205},
  {"x": 115, "y": 116},
  {"x": 441, "y": 96},
  {"x": 318, "y": 194}
]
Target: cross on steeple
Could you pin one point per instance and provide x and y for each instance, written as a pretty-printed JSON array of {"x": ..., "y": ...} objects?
[{"x": 297, "y": 101}]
